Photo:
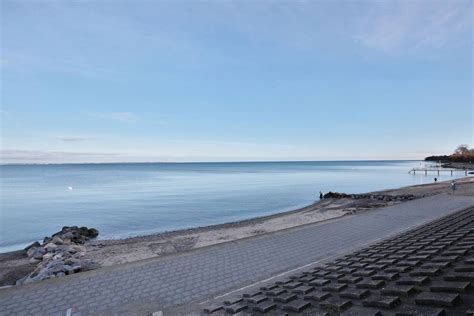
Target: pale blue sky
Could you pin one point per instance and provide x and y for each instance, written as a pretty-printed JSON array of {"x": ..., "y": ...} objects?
[{"x": 234, "y": 80}]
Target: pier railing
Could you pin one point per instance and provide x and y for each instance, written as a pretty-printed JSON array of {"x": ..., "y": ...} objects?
[{"x": 439, "y": 170}]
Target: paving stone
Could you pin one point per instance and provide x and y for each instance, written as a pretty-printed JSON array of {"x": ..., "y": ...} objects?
[
  {"x": 268, "y": 287},
  {"x": 282, "y": 282},
  {"x": 257, "y": 299},
  {"x": 417, "y": 257},
  {"x": 292, "y": 285},
  {"x": 397, "y": 269},
  {"x": 333, "y": 268},
  {"x": 264, "y": 307},
  {"x": 335, "y": 304},
  {"x": 317, "y": 296},
  {"x": 445, "y": 258},
  {"x": 213, "y": 308},
  {"x": 306, "y": 279},
  {"x": 398, "y": 290},
  {"x": 440, "y": 265},
  {"x": 358, "y": 265},
  {"x": 233, "y": 300},
  {"x": 285, "y": 298},
  {"x": 334, "y": 276},
  {"x": 296, "y": 306},
  {"x": 425, "y": 272},
  {"x": 252, "y": 294},
  {"x": 319, "y": 282},
  {"x": 349, "y": 279},
  {"x": 370, "y": 284},
  {"x": 388, "y": 302},
  {"x": 462, "y": 276},
  {"x": 334, "y": 287},
  {"x": 454, "y": 287},
  {"x": 275, "y": 292},
  {"x": 398, "y": 256},
  {"x": 303, "y": 289},
  {"x": 447, "y": 253},
  {"x": 321, "y": 274},
  {"x": 235, "y": 308},
  {"x": 388, "y": 261},
  {"x": 347, "y": 270},
  {"x": 364, "y": 273},
  {"x": 359, "y": 311},
  {"x": 405, "y": 263},
  {"x": 421, "y": 312},
  {"x": 355, "y": 293},
  {"x": 413, "y": 280},
  {"x": 429, "y": 252},
  {"x": 387, "y": 276},
  {"x": 376, "y": 267},
  {"x": 464, "y": 268},
  {"x": 437, "y": 299}
]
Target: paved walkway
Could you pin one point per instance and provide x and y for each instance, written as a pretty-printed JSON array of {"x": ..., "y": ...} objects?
[{"x": 154, "y": 284}]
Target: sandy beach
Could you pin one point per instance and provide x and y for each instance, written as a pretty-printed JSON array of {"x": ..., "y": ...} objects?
[{"x": 14, "y": 265}]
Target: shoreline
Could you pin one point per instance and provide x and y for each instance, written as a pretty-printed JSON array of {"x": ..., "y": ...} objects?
[{"x": 14, "y": 265}]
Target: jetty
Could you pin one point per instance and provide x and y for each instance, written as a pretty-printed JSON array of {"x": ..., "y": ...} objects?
[{"x": 439, "y": 170}]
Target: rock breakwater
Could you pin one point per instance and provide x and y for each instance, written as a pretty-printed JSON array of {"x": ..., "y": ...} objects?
[
  {"x": 372, "y": 196},
  {"x": 61, "y": 254}
]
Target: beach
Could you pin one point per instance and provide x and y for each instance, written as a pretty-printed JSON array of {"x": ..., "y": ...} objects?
[{"x": 113, "y": 252}]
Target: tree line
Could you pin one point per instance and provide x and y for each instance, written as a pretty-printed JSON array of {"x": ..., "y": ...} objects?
[{"x": 461, "y": 154}]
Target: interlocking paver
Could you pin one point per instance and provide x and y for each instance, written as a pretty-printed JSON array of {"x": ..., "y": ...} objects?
[{"x": 409, "y": 290}]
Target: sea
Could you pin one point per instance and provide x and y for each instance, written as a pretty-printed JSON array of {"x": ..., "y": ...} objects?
[{"x": 132, "y": 199}]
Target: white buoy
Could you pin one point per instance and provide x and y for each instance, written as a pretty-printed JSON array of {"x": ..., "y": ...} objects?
[{"x": 69, "y": 188}]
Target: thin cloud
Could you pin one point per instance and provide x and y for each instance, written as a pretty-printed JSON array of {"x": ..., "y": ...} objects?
[
  {"x": 12, "y": 156},
  {"x": 409, "y": 25},
  {"x": 124, "y": 117},
  {"x": 73, "y": 138}
]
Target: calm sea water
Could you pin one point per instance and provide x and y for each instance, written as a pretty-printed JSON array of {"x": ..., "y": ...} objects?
[{"x": 124, "y": 200}]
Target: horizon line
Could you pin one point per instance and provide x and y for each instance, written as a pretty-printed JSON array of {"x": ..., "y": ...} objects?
[{"x": 198, "y": 162}]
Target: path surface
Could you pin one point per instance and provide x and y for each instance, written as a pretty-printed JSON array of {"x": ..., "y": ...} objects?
[{"x": 155, "y": 284}]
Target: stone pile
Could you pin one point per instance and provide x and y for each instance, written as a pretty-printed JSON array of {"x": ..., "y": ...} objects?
[
  {"x": 61, "y": 254},
  {"x": 372, "y": 196}
]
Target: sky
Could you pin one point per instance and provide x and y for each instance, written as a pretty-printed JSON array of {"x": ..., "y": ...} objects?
[{"x": 103, "y": 81}]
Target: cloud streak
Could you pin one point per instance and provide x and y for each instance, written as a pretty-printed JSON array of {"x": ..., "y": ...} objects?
[
  {"x": 123, "y": 117},
  {"x": 409, "y": 25},
  {"x": 73, "y": 138}
]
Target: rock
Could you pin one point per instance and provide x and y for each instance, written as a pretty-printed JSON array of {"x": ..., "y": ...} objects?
[
  {"x": 38, "y": 255},
  {"x": 72, "y": 269},
  {"x": 34, "y": 260},
  {"x": 36, "y": 244},
  {"x": 48, "y": 256},
  {"x": 93, "y": 233},
  {"x": 61, "y": 254},
  {"x": 30, "y": 251},
  {"x": 376, "y": 197},
  {"x": 56, "y": 240},
  {"x": 89, "y": 264},
  {"x": 50, "y": 247},
  {"x": 72, "y": 261}
]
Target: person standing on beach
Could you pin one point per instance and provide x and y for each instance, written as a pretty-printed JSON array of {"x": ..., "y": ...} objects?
[
  {"x": 453, "y": 186},
  {"x": 321, "y": 195},
  {"x": 436, "y": 179}
]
